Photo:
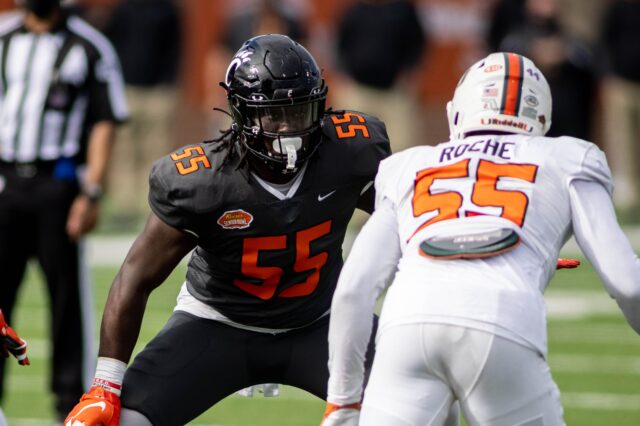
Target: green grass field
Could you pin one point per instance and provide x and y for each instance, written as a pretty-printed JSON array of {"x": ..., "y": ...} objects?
[{"x": 594, "y": 355}]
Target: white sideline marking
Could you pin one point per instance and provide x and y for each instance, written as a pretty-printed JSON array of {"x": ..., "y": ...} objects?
[
  {"x": 577, "y": 305},
  {"x": 606, "y": 334},
  {"x": 601, "y": 401},
  {"x": 595, "y": 364}
]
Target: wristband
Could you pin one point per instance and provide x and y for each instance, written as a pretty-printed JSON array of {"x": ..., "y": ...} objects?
[
  {"x": 109, "y": 374},
  {"x": 93, "y": 192}
]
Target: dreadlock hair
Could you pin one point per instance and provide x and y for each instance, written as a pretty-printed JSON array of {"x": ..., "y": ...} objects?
[{"x": 227, "y": 140}]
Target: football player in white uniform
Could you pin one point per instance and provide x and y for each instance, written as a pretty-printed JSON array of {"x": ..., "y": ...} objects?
[{"x": 471, "y": 228}]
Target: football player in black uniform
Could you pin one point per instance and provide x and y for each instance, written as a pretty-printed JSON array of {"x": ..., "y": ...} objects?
[{"x": 265, "y": 207}]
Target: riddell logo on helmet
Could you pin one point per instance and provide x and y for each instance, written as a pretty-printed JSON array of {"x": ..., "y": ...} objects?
[
  {"x": 500, "y": 122},
  {"x": 493, "y": 68},
  {"x": 235, "y": 219}
]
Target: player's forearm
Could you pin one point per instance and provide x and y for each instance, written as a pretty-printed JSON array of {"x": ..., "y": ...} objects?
[
  {"x": 152, "y": 257},
  {"x": 370, "y": 264},
  {"x": 607, "y": 248},
  {"x": 122, "y": 320},
  {"x": 349, "y": 332}
]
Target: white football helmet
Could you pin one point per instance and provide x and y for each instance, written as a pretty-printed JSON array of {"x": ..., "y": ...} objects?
[{"x": 503, "y": 92}]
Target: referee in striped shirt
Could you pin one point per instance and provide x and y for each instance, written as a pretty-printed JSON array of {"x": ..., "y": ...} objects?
[{"x": 61, "y": 95}]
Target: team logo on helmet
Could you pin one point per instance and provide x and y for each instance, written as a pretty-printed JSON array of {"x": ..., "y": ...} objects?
[
  {"x": 235, "y": 219},
  {"x": 531, "y": 100},
  {"x": 240, "y": 58}
]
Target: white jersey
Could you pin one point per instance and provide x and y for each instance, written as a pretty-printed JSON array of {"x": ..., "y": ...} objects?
[
  {"x": 479, "y": 184},
  {"x": 543, "y": 188}
]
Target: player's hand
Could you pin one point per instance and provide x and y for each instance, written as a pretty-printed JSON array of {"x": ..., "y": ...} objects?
[
  {"x": 341, "y": 415},
  {"x": 98, "y": 407},
  {"x": 10, "y": 342},
  {"x": 83, "y": 217},
  {"x": 567, "y": 263}
]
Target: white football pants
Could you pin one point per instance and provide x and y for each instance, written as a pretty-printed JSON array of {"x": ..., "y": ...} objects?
[{"x": 420, "y": 369}]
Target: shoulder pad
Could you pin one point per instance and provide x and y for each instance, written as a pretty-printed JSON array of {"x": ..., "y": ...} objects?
[
  {"x": 181, "y": 183},
  {"x": 393, "y": 179},
  {"x": 362, "y": 137},
  {"x": 582, "y": 160},
  {"x": 593, "y": 164}
]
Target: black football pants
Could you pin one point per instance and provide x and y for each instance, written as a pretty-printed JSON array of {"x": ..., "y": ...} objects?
[
  {"x": 33, "y": 215},
  {"x": 193, "y": 363}
]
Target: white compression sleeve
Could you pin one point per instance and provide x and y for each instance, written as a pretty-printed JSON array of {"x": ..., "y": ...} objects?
[
  {"x": 607, "y": 248},
  {"x": 369, "y": 266}
]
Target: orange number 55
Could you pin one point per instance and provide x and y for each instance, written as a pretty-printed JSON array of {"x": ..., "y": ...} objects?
[
  {"x": 270, "y": 275},
  {"x": 484, "y": 193},
  {"x": 196, "y": 157},
  {"x": 351, "y": 128}
]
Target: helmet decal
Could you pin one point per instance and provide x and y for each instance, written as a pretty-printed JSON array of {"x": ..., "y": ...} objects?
[
  {"x": 512, "y": 89},
  {"x": 239, "y": 58}
]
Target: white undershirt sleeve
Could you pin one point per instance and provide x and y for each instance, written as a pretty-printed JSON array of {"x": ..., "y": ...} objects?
[
  {"x": 604, "y": 244},
  {"x": 368, "y": 269}
]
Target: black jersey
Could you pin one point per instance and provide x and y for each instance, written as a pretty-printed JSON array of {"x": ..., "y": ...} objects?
[{"x": 260, "y": 260}]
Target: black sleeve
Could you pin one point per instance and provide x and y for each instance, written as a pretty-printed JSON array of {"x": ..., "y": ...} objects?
[
  {"x": 367, "y": 199},
  {"x": 164, "y": 199},
  {"x": 105, "y": 86}
]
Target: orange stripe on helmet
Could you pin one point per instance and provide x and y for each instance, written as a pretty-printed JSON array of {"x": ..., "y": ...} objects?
[{"x": 511, "y": 91}]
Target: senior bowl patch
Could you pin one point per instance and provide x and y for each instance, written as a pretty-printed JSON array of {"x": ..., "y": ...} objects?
[{"x": 235, "y": 219}]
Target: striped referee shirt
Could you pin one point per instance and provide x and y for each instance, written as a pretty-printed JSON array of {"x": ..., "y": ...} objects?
[{"x": 53, "y": 87}]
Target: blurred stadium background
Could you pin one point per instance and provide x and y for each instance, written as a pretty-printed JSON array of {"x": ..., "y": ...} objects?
[
  {"x": 594, "y": 355},
  {"x": 457, "y": 33}
]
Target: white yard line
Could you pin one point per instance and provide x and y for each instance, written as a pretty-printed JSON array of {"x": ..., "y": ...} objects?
[
  {"x": 601, "y": 401},
  {"x": 602, "y": 334},
  {"x": 595, "y": 364},
  {"x": 578, "y": 304}
]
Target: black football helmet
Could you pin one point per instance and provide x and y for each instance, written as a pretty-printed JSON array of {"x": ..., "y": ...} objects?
[{"x": 277, "y": 98}]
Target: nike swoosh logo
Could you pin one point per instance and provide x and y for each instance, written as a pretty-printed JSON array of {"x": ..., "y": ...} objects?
[
  {"x": 100, "y": 404},
  {"x": 322, "y": 197}
]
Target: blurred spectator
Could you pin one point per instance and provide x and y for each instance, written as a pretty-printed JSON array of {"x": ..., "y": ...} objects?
[
  {"x": 621, "y": 40},
  {"x": 244, "y": 20},
  {"x": 147, "y": 37},
  {"x": 566, "y": 62},
  {"x": 379, "y": 43},
  {"x": 507, "y": 15},
  {"x": 265, "y": 17}
]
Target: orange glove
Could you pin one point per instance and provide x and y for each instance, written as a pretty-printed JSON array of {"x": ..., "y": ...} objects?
[
  {"x": 341, "y": 415},
  {"x": 567, "y": 263},
  {"x": 10, "y": 342},
  {"x": 98, "y": 407}
]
